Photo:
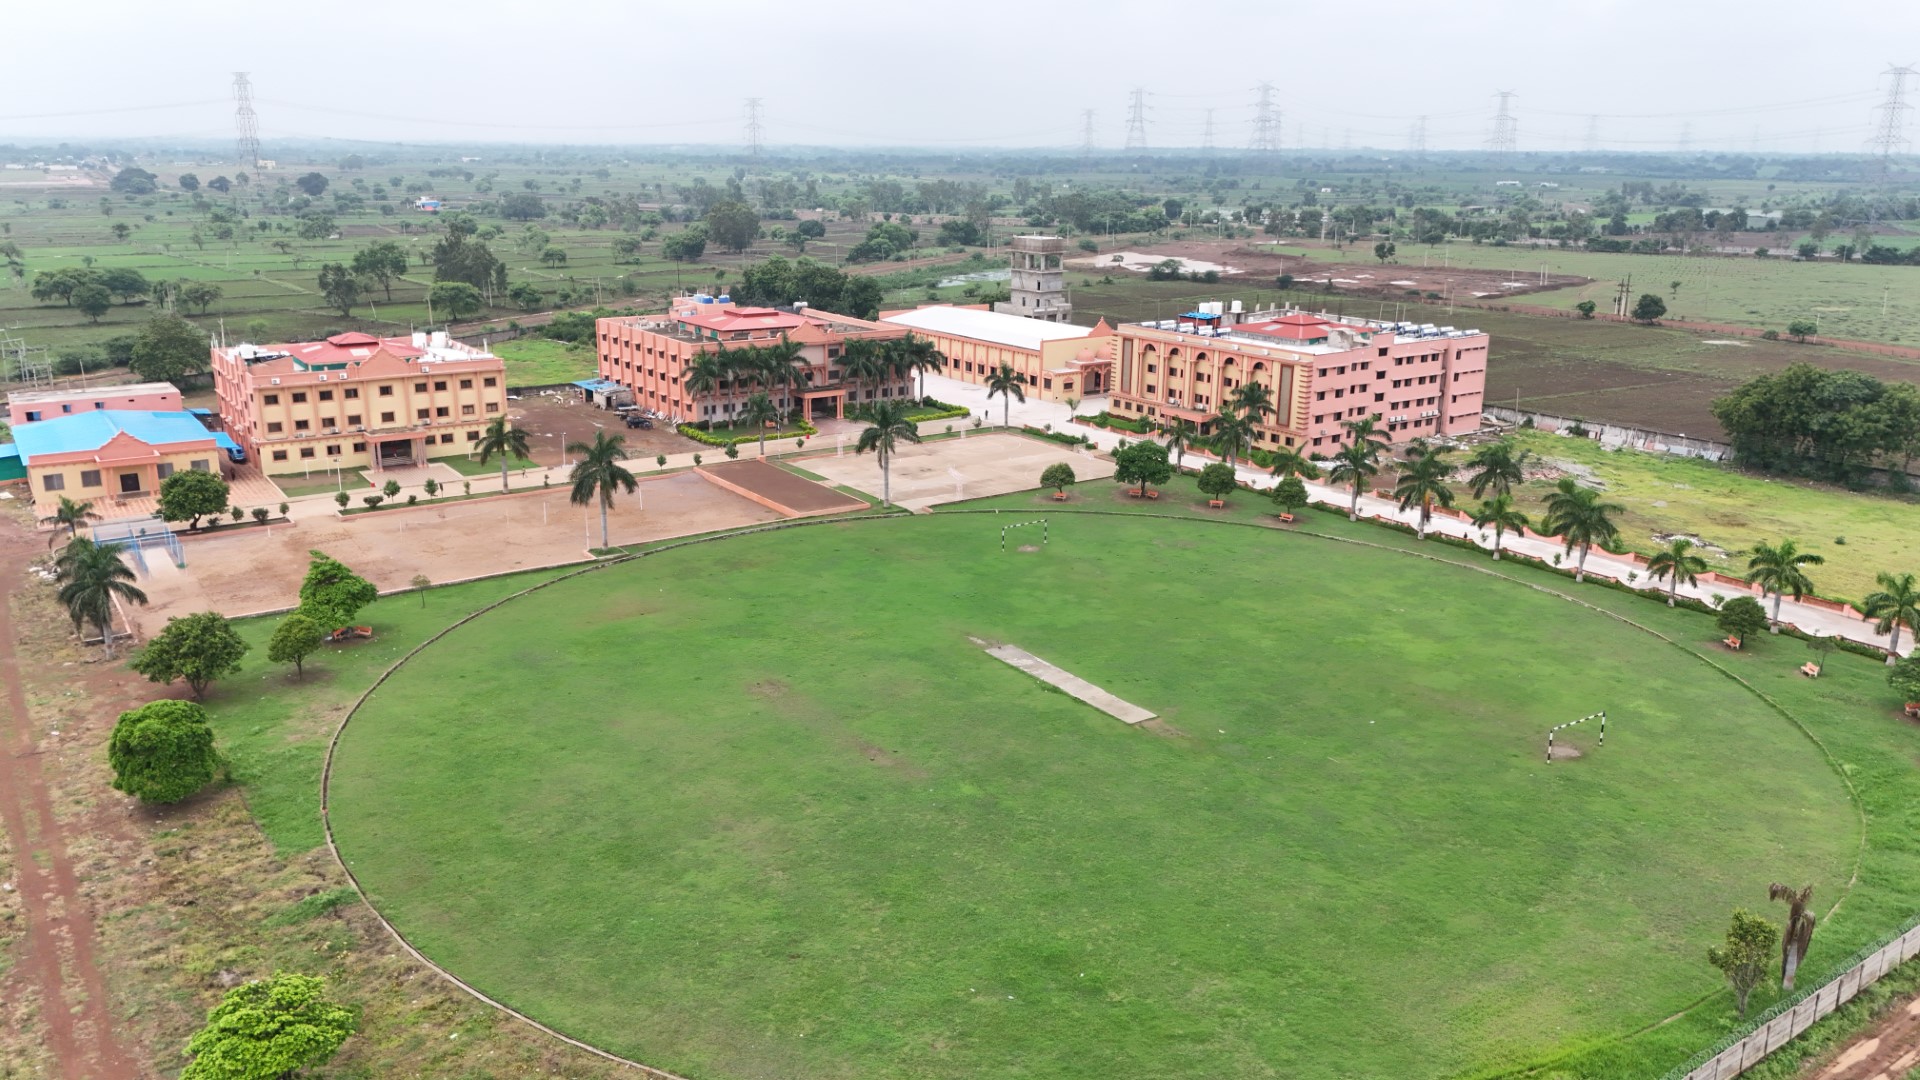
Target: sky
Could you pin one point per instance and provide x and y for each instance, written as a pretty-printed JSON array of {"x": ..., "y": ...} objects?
[{"x": 1704, "y": 75}]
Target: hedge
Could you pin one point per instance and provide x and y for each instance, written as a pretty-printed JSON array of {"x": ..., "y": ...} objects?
[
  {"x": 1065, "y": 437},
  {"x": 698, "y": 435}
]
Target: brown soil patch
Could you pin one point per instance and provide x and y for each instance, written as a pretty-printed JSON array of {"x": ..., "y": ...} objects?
[
  {"x": 793, "y": 493},
  {"x": 891, "y": 759},
  {"x": 1563, "y": 752},
  {"x": 1886, "y": 1052},
  {"x": 769, "y": 688},
  {"x": 1029, "y": 548},
  {"x": 1161, "y": 728}
]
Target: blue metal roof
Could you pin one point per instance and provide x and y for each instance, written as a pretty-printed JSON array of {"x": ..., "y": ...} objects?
[
  {"x": 93, "y": 430},
  {"x": 596, "y": 384}
]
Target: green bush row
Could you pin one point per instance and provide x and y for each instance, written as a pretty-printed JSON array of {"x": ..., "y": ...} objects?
[
  {"x": 1067, "y": 438},
  {"x": 1121, "y": 423},
  {"x": 805, "y": 430}
]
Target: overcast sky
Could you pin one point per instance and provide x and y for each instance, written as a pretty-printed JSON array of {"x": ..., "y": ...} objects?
[{"x": 1767, "y": 74}]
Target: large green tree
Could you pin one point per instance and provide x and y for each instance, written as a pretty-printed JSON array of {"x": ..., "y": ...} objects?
[
  {"x": 1423, "y": 482},
  {"x": 887, "y": 427},
  {"x": 1498, "y": 466},
  {"x": 332, "y": 594},
  {"x": 460, "y": 256},
  {"x": 340, "y": 286},
  {"x": 1144, "y": 463},
  {"x": 1352, "y": 467},
  {"x": 732, "y": 224},
  {"x": 270, "y": 1029},
  {"x": 1741, "y": 617},
  {"x": 189, "y": 495},
  {"x": 381, "y": 263},
  {"x": 162, "y": 752},
  {"x": 92, "y": 576},
  {"x": 455, "y": 300},
  {"x": 294, "y": 640},
  {"x": 598, "y": 475},
  {"x": 1217, "y": 481},
  {"x": 198, "y": 648},
  {"x": 169, "y": 349}
]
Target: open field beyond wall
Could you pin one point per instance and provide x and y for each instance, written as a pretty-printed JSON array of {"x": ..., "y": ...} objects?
[{"x": 939, "y": 868}]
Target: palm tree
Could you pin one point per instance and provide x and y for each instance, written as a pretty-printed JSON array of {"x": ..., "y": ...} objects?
[
  {"x": 1896, "y": 602},
  {"x": 1677, "y": 563},
  {"x": 1251, "y": 399},
  {"x": 1776, "y": 569},
  {"x": 759, "y": 412},
  {"x": 1353, "y": 466},
  {"x": 598, "y": 473},
  {"x": 1007, "y": 383},
  {"x": 705, "y": 374},
  {"x": 917, "y": 355},
  {"x": 1576, "y": 515},
  {"x": 92, "y": 575},
  {"x": 1497, "y": 466},
  {"x": 1232, "y": 434},
  {"x": 71, "y": 514},
  {"x": 1799, "y": 935},
  {"x": 778, "y": 361},
  {"x": 1423, "y": 482},
  {"x": 887, "y": 427},
  {"x": 1180, "y": 435},
  {"x": 1499, "y": 512},
  {"x": 1367, "y": 436},
  {"x": 864, "y": 362},
  {"x": 1288, "y": 462},
  {"x": 504, "y": 439}
]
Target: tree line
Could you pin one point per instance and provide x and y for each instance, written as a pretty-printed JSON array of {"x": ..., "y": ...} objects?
[{"x": 1834, "y": 425}]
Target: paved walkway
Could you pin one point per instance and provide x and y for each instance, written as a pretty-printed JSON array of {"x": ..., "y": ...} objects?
[
  {"x": 1809, "y": 618},
  {"x": 1124, "y": 711}
]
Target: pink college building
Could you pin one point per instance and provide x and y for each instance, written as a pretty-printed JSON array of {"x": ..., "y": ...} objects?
[{"x": 1321, "y": 370}]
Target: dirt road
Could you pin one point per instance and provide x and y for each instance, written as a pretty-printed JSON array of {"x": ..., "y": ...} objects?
[{"x": 56, "y": 960}]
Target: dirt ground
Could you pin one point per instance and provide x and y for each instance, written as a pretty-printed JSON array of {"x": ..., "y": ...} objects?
[
  {"x": 951, "y": 470},
  {"x": 1250, "y": 260},
  {"x": 260, "y": 570},
  {"x": 1886, "y": 1052},
  {"x": 557, "y": 418}
]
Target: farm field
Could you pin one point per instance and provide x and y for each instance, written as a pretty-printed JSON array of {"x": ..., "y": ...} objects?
[
  {"x": 870, "y": 850},
  {"x": 1845, "y": 298},
  {"x": 1657, "y": 377},
  {"x": 1734, "y": 510}
]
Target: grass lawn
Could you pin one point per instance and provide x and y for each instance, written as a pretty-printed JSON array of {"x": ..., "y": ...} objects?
[
  {"x": 678, "y": 829},
  {"x": 1736, "y": 510},
  {"x": 542, "y": 362},
  {"x": 350, "y": 480},
  {"x": 470, "y": 466}
]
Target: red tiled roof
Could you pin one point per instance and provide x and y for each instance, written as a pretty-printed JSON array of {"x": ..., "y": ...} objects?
[
  {"x": 1295, "y": 327},
  {"x": 344, "y": 348},
  {"x": 729, "y": 320}
]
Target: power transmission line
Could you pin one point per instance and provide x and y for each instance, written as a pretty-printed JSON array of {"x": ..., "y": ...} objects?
[
  {"x": 1593, "y": 134},
  {"x": 247, "y": 122},
  {"x": 1890, "y": 117},
  {"x": 753, "y": 127},
  {"x": 1506, "y": 127},
  {"x": 1206, "y": 137},
  {"x": 1137, "y": 121},
  {"x": 1417, "y": 136},
  {"x": 1086, "y": 133},
  {"x": 1685, "y": 144},
  {"x": 1266, "y": 121}
]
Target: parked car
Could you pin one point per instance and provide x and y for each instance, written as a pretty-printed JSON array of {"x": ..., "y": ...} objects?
[{"x": 635, "y": 420}]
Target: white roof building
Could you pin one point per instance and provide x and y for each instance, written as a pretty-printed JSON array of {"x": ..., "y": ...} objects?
[{"x": 1015, "y": 331}]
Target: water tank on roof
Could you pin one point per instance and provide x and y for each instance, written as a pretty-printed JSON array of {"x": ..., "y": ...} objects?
[
  {"x": 723, "y": 298},
  {"x": 1237, "y": 307},
  {"x": 702, "y": 298}
]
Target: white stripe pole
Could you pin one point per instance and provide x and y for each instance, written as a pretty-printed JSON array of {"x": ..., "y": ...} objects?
[{"x": 1601, "y": 716}]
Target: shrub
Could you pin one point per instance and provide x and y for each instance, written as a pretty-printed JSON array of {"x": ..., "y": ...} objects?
[
  {"x": 391, "y": 490},
  {"x": 1058, "y": 476},
  {"x": 1905, "y": 677},
  {"x": 260, "y": 514},
  {"x": 1217, "y": 480},
  {"x": 198, "y": 648},
  {"x": 1742, "y": 617},
  {"x": 342, "y": 498},
  {"x": 373, "y": 501},
  {"x": 162, "y": 751}
]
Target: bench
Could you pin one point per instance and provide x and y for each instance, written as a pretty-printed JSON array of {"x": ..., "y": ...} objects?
[
  {"x": 1732, "y": 643},
  {"x": 1286, "y": 519},
  {"x": 1059, "y": 496},
  {"x": 1913, "y": 709},
  {"x": 1136, "y": 493},
  {"x": 350, "y": 633},
  {"x": 1216, "y": 504},
  {"x": 1810, "y": 669}
]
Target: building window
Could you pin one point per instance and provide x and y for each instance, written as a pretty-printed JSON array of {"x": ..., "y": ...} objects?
[
  {"x": 466, "y": 410},
  {"x": 270, "y": 399},
  {"x": 333, "y": 451},
  {"x": 301, "y": 425},
  {"x": 473, "y": 436},
  {"x": 448, "y": 437},
  {"x": 299, "y": 396},
  {"x": 353, "y": 419},
  {"x": 359, "y": 448},
  {"x": 200, "y": 465},
  {"x": 386, "y": 418},
  {"x": 53, "y": 482},
  {"x": 442, "y": 411},
  {"x": 350, "y": 393},
  {"x": 326, "y": 395},
  {"x": 419, "y": 388},
  {"x": 90, "y": 478},
  {"x": 466, "y": 384},
  {"x": 163, "y": 470},
  {"x": 306, "y": 451},
  {"x": 386, "y": 391},
  {"x": 494, "y": 406},
  {"x": 420, "y": 414},
  {"x": 273, "y": 427},
  {"x": 440, "y": 384},
  {"x": 489, "y": 381},
  {"x": 279, "y": 455}
]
